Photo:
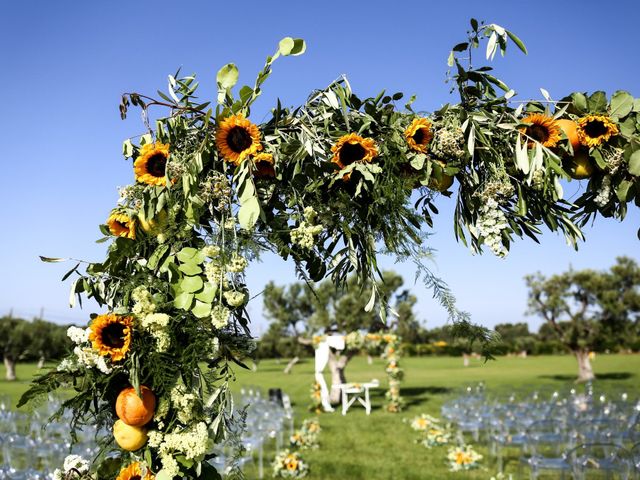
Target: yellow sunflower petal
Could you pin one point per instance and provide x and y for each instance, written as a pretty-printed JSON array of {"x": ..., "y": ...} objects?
[
  {"x": 237, "y": 138},
  {"x": 263, "y": 165},
  {"x": 111, "y": 335},
  {"x": 418, "y": 134},
  {"x": 121, "y": 225},
  {"x": 353, "y": 148},
  {"x": 594, "y": 130},
  {"x": 134, "y": 472},
  {"x": 543, "y": 129},
  {"x": 151, "y": 165}
]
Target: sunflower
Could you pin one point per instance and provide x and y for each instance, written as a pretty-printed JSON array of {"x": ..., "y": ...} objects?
[
  {"x": 291, "y": 462},
  {"x": 543, "y": 129},
  {"x": 121, "y": 225},
  {"x": 237, "y": 138},
  {"x": 151, "y": 165},
  {"x": 134, "y": 472},
  {"x": 594, "y": 130},
  {"x": 353, "y": 148},
  {"x": 111, "y": 335},
  {"x": 419, "y": 134},
  {"x": 263, "y": 165}
]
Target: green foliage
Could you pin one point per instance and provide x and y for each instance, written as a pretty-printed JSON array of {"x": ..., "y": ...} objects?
[{"x": 587, "y": 309}]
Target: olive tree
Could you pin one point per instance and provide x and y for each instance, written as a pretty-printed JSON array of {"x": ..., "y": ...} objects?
[{"x": 583, "y": 306}]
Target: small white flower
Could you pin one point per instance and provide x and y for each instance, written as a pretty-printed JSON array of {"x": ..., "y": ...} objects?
[
  {"x": 78, "y": 335},
  {"x": 234, "y": 298},
  {"x": 220, "y": 316}
]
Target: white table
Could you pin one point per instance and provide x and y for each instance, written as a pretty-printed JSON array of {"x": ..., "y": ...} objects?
[{"x": 359, "y": 392}]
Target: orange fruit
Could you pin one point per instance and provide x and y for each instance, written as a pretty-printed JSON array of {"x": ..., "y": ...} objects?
[
  {"x": 570, "y": 129},
  {"x": 132, "y": 409}
]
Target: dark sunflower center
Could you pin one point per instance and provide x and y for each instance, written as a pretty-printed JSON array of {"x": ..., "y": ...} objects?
[
  {"x": 538, "y": 132},
  {"x": 124, "y": 226},
  {"x": 135, "y": 477},
  {"x": 239, "y": 139},
  {"x": 420, "y": 136},
  {"x": 265, "y": 168},
  {"x": 595, "y": 128},
  {"x": 113, "y": 335},
  {"x": 156, "y": 165},
  {"x": 351, "y": 152}
]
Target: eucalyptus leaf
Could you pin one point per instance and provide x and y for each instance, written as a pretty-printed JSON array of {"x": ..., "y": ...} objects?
[
  {"x": 208, "y": 293},
  {"x": 201, "y": 309},
  {"x": 621, "y": 104},
  {"x": 292, "y": 46},
  {"x": 634, "y": 163},
  {"x": 227, "y": 76},
  {"x": 191, "y": 284},
  {"x": 249, "y": 213},
  {"x": 623, "y": 190},
  {"x": 190, "y": 268},
  {"x": 597, "y": 102},
  {"x": 183, "y": 301}
]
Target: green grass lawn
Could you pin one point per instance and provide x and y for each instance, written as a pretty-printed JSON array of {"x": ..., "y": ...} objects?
[{"x": 381, "y": 446}]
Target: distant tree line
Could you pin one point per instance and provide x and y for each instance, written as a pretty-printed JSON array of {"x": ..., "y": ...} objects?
[
  {"x": 515, "y": 339},
  {"x": 30, "y": 341}
]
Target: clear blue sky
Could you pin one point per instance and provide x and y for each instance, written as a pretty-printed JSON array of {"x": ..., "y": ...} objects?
[{"x": 66, "y": 63}]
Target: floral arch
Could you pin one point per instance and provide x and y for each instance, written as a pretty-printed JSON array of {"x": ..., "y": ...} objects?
[
  {"x": 330, "y": 184},
  {"x": 387, "y": 345}
]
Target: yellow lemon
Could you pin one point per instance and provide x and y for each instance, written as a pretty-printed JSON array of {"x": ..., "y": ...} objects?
[
  {"x": 154, "y": 225},
  {"x": 128, "y": 437},
  {"x": 580, "y": 166}
]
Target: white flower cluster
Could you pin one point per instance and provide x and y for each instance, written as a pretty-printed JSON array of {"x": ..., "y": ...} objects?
[
  {"x": 175, "y": 169},
  {"x": 78, "y": 335},
  {"x": 234, "y": 298},
  {"x": 157, "y": 325},
  {"x": 71, "y": 462},
  {"x": 289, "y": 465},
  {"x": 216, "y": 188},
  {"x": 131, "y": 194},
  {"x": 448, "y": 143},
  {"x": 604, "y": 195},
  {"x": 143, "y": 302},
  {"x": 230, "y": 223},
  {"x": 491, "y": 223},
  {"x": 423, "y": 422},
  {"x": 85, "y": 356},
  {"x": 463, "y": 457},
  {"x": 614, "y": 159},
  {"x": 161, "y": 412},
  {"x": 237, "y": 264},
  {"x": 354, "y": 340},
  {"x": 88, "y": 357},
  {"x": 184, "y": 403},
  {"x": 220, "y": 316},
  {"x": 211, "y": 251},
  {"x": 214, "y": 272},
  {"x": 537, "y": 180},
  {"x": 191, "y": 442},
  {"x": 305, "y": 233},
  {"x": 435, "y": 436}
]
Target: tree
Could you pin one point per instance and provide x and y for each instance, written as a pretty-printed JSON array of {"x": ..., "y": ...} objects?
[
  {"x": 516, "y": 337},
  {"x": 48, "y": 341},
  {"x": 584, "y": 307},
  {"x": 15, "y": 341},
  {"x": 302, "y": 311}
]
